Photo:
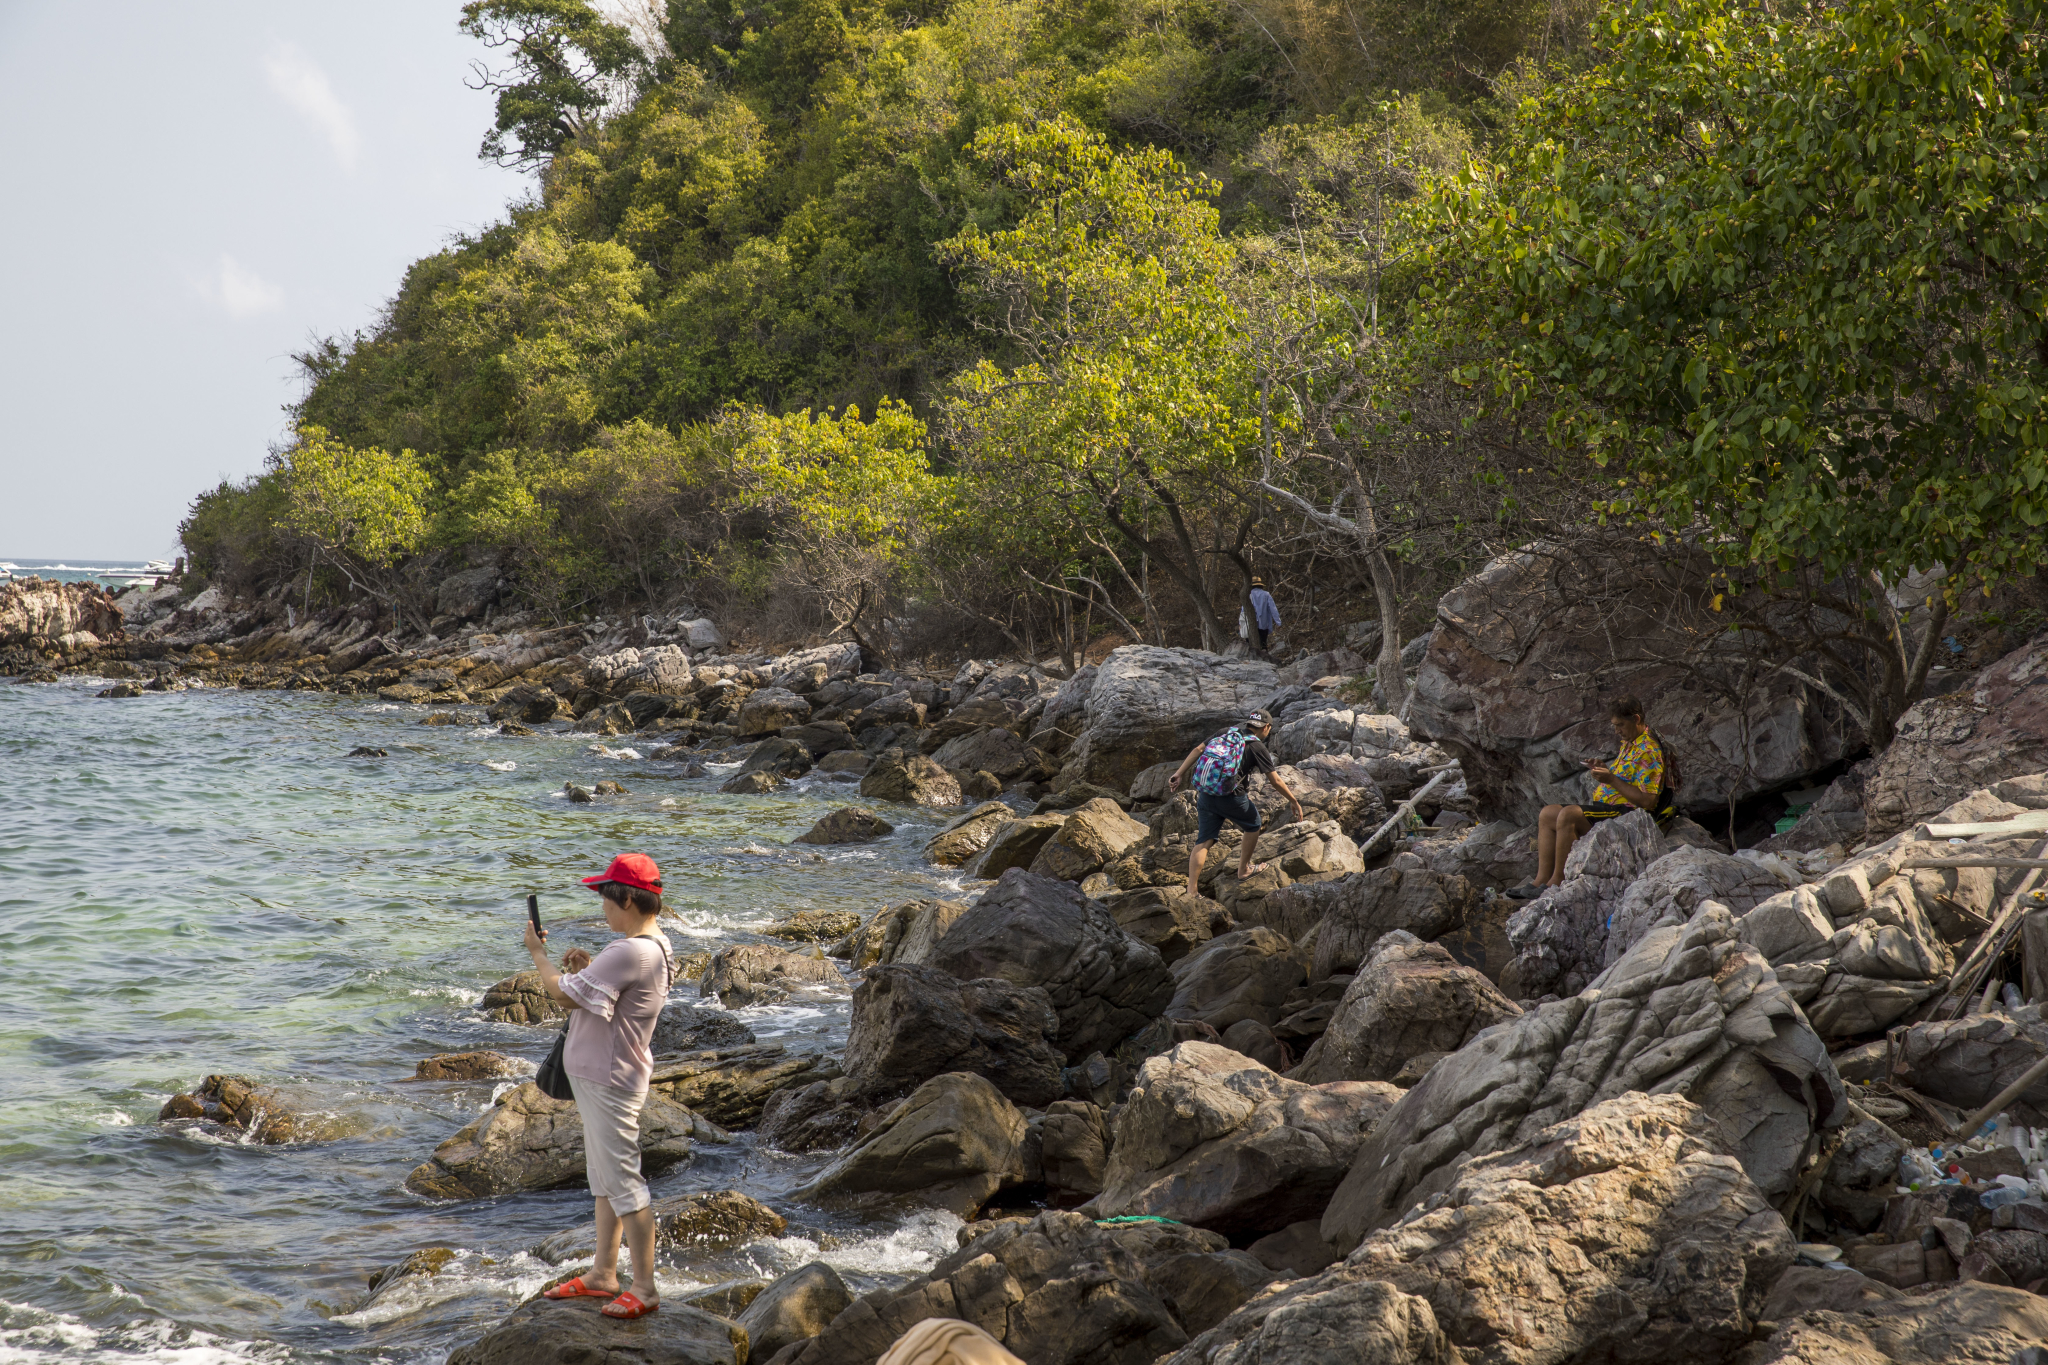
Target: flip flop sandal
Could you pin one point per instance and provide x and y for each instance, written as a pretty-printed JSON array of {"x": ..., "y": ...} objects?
[
  {"x": 628, "y": 1305},
  {"x": 576, "y": 1289}
]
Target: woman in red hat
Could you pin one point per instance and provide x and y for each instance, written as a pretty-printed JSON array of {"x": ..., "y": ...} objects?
[{"x": 613, "y": 1001}]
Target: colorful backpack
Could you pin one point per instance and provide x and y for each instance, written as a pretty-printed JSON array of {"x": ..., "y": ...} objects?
[{"x": 1216, "y": 769}]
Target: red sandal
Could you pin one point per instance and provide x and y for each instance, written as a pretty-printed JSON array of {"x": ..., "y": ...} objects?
[
  {"x": 628, "y": 1305},
  {"x": 576, "y": 1289}
]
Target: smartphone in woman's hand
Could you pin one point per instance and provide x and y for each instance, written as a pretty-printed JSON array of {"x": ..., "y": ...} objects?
[{"x": 533, "y": 914}]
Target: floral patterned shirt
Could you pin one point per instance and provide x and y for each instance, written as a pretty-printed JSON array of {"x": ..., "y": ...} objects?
[{"x": 1640, "y": 764}]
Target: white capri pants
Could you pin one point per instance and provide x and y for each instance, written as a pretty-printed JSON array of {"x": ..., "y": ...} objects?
[{"x": 611, "y": 1143}]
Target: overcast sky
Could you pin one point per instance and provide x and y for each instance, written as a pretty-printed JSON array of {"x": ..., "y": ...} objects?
[{"x": 194, "y": 192}]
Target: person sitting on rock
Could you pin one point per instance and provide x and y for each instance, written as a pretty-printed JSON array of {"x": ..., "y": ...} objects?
[
  {"x": 1222, "y": 766},
  {"x": 613, "y": 1001},
  {"x": 1634, "y": 780}
]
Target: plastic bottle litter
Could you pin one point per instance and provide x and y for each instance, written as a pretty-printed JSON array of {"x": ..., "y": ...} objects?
[{"x": 2003, "y": 1195}]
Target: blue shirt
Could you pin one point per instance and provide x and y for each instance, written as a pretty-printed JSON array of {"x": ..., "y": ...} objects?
[{"x": 1265, "y": 609}]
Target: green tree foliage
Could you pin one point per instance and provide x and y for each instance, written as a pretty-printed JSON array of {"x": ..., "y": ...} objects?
[
  {"x": 567, "y": 63},
  {"x": 363, "y": 510},
  {"x": 1781, "y": 273}
]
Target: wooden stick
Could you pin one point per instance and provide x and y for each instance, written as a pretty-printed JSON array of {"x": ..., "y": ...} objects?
[
  {"x": 2003, "y": 1098},
  {"x": 1401, "y": 813},
  {"x": 1987, "y": 948},
  {"x": 1864, "y": 1114}
]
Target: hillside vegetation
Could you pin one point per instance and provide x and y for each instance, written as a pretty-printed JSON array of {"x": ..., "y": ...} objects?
[{"x": 1018, "y": 321}]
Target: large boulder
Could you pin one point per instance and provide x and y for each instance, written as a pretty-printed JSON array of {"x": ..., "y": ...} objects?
[
  {"x": 795, "y": 1308},
  {"x": 1034, "y": 931},
  {"x": 731, "y": 1085},
  {"x": 847, "y": 825},
  {"x": 911, "y": 779},
  {"x": 664, "y": 669},
  {"x": 1094, "y": 835},
  {"x": 527, "y": 1141},
  {"x": 1344, "y": 1315},
  {"x": 1411, "y": 998},
  {"x": 1013, "y": 843},
  {"x": 260, "y": 1113},
  {"x": 967, "y": 834},
  {"x": 1626, "y": 1233},
  {"x": 1148, "y": 705},
  {"x": 1964, "y": 1062},
  {"x": 1691, "y": 1010},
  {"x": 768, "y": 709},
  {"x": 1242, "y": 975},
  {"x": 520, "y": 999},
  {"x": 575, "y": 1332},
  {"x": 994, "y": 750},
  {"x": 1054, "y": 1290},
  {"x": 686, "y": 1028},
  {"x": 904, "y": 933},
  {"x": 954, "y": 1142},
  {"x": 1167, "y": 917},
  {"x": 1210, "y": 1137},
  {"x": 1354, "y": 911},
  {"x": 468, "y": 595},
  {"x": 913, "y": 1023},
  {"x": 1949, "y": 746},
  {"x": 756, "y": 974},
  {"x": 1529, "y": 653},
  {"x": 1969, "y": 1324}
]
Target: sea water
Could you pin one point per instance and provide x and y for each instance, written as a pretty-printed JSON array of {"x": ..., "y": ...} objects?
[{"x": 202, "y": 882}]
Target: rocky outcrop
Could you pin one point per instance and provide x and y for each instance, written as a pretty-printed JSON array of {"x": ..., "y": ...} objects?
[
  {"x": 912, "y": 1023},
  {"x": 954, "y": 1142},
  {"x": 1166, "y": 917},
  {"x": 468, "y": 1066},
  {"x": 1033, "y": 931},
  {"x": 1013, "y": 843},
  {"x": 44, "y": 613},
  {"x": 815, "y": 926},
  {"x": 732, "y": 1085},
  {"x": 1054, "y": 1290},
  {"x": 1560, "y": 938},
  {"x": 263, "y": 1113},
  {"x": 527, "y": 1141},
  {"x": 519, "y": 999},
  {"x": 686, "y": 1028},
  {"x": 768, "y": 709},
  {"x": 995, "y": 751},
  {"x": 575, "y": 1331},
  {"x": 911, "y": 779},
  {"x": 1211, "y": 1138},
  {"x": 699, "y": 1221},
  {"x": 1628, "y": 1232},
  {"x": 1970, "y": 1324},
  {"x": 755, "y": 974},
  {"x": 1094, "y": 835},
  {"x": 847, "y": 825},
  {"x": 1949, "y": 746},
  {"x": 1355, "y": 910},
  {"x": 1345, "y": 1315},
  {"x": 1691, "y": 1010},
  {"x": 967, "y": 835},
  {"x": 1148, "y": 705},
  {"x": 1073, "y": 1147},
  {"x": 1242, "y": 975},
  {"x": 904, "y": 933},
  {"x": 1410, "y": 998},
  {"x": 794, "y": 1308},
  {"x": 1964, "y": 1062},
  {"x": 1528, "y": 654}
]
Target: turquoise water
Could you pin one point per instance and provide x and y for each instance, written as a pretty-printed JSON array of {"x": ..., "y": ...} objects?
[{"x": 200, "y": 881}]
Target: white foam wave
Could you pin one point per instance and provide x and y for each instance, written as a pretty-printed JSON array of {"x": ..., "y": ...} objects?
[
  {"x": 602, "y": 752},
  {"x": 114, "y": 1119},
  {"x": 505, "y": 767},
  {"x": 31, "y": 1336},
  {"x": 910, "y": 1249},
  {"x": 511, "y": 1277}
]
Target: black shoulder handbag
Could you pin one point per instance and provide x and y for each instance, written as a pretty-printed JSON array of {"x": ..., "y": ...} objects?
[{"x": 551, "y": 1078}]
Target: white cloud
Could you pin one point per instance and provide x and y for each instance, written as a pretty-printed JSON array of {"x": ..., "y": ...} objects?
[
  {"x": 240, "y": 291},
  {"x": 302, "y": 85}
]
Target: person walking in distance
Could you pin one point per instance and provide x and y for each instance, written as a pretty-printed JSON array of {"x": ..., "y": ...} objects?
[
  {"x": 1222, "y": 766},
  {"x": 613, "y": 1002},
  {"x": 1265, "y": 613}
]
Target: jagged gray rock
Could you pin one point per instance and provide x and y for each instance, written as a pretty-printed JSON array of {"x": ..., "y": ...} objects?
[
  {"x": 1242, "y": 975},
  {"x": 911, "y": 1023},
  {"x": 1034, "y": 931},
  {"x": 1410, "y": 998},
  {"x": 1691, "y": 1010},
  {"x": 952, "y": 1144}
]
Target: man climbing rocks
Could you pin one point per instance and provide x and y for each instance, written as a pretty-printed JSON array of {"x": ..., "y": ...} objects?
[{"x": 1222, "y": 766}]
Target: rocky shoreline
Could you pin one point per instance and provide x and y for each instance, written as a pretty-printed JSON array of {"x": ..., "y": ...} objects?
[{"x": 1689, "y": 1106}]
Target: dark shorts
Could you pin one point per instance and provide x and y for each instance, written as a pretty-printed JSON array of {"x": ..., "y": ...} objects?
[{"x": 1212, "y": 811}]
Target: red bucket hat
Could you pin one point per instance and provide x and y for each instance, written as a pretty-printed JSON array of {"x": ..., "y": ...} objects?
[{"x": 630, "y": 869}]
